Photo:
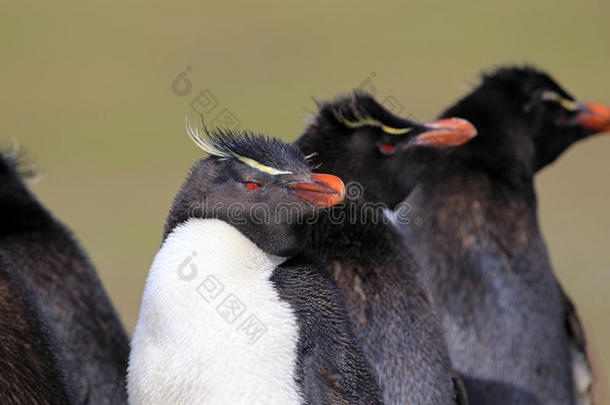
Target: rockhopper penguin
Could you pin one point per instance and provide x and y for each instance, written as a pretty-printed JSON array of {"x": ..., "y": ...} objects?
[
  {"x": 360, "y": 141},
  {"x": 232, "y": 313},
  {"x": 78, "y": 313},
  {"x": 512, "y": 333}
]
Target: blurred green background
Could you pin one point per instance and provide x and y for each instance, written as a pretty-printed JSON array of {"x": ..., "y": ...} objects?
[{"x": 87, "y": 90}]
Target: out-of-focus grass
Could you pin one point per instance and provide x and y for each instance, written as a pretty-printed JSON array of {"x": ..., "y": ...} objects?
[{"x": 87, "y": 90}]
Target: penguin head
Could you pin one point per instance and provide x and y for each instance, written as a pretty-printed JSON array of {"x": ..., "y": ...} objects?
[
  {"x": 260, "y": 185},
  {"x": 523, "y": 113},
  {"x": 357, "y": 139}
]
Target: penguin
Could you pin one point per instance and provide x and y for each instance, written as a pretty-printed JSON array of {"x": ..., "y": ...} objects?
[
  {"x": 32, "y": 370},
  {"x": 356, "y": 138},
  {"x": 513, "y": 333},
  {"x": 233, "y": 312},
  {"x": 77, "y": 312}
]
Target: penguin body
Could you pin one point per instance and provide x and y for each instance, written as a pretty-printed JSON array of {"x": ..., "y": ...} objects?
[
  {"x": 72, "y": 300},
  {"x": 498, "y": 331},
  {"x": 233, "y": 314},
  {"x": 357, "y": 139},
  {"x": 512, "y": 332}
]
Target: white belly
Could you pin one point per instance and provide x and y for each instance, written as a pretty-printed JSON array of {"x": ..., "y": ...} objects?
[{"x": 212, "y": 329}]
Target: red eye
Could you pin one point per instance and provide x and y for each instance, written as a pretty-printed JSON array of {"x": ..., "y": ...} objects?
[
  {"x": 252, "y": 186},
  {"x": 387, "y": 148}
]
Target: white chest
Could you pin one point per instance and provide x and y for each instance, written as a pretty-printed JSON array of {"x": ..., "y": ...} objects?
[{"x": 212, "y": 329}]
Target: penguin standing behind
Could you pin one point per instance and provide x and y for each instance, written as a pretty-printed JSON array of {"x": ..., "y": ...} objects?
[
  {"x": 512, "y": 333},
  {"x": 359, "y": 140},
  {"x": 79, "y": 316},
  {"x": 31, "y": 371},
  {"x": 232, "y": 313}
]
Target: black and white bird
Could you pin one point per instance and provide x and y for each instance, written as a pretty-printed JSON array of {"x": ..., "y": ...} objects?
[
  {"x": 512, "y": 332},
  {"x": 360, "y": 141},
  {"x": 73, "y": 304},
  {"x": 232, "y": 313}
]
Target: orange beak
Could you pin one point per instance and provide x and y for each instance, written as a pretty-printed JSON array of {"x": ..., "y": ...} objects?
[
  {"x": 595, "y": 117},
  {"x": 324, "y": 191},
  {"x": 447, "y": 132}
]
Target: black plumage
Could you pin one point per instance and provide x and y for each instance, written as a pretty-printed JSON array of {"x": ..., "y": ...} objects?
[
  {"x": 387, "y": 303},
  {"x": 331, "y": 368},
  {"x": 77, "y": 312},
  {"x": 32, "y": 370},
  {"x": 512, "y": 332}
]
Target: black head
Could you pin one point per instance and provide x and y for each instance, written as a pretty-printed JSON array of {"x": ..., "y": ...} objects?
[
  {"x": 357, "y": 139},
  {"x": 262, "y": 186},
  {"x": 525, "y": 119}
]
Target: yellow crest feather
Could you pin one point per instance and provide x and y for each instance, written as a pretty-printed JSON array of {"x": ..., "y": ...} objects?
[
  {"x": 564, "y": 102},
  {"x": 197, "y": 136},
  {"x": 367, "y": 120}
]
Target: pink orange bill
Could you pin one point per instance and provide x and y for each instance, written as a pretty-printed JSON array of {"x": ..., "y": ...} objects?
[
  {"x": 324, "y": 191},
  {"x": 595, "y": 117},
  {"x": 447, "y": 132}
]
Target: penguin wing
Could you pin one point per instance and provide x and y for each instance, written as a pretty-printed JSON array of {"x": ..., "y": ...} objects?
[
  {"x": 581, "y": 366},
  {"x": 332, "y": 368},
  {"x": 32, "y": 370}
]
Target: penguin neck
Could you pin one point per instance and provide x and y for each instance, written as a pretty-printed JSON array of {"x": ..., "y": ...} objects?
[
  {"x": 457, "y": 182},
  {"x": 212, "y": 327},
  {"x": 496, "y": 211},
  {"x": 359, "y": 229}
]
